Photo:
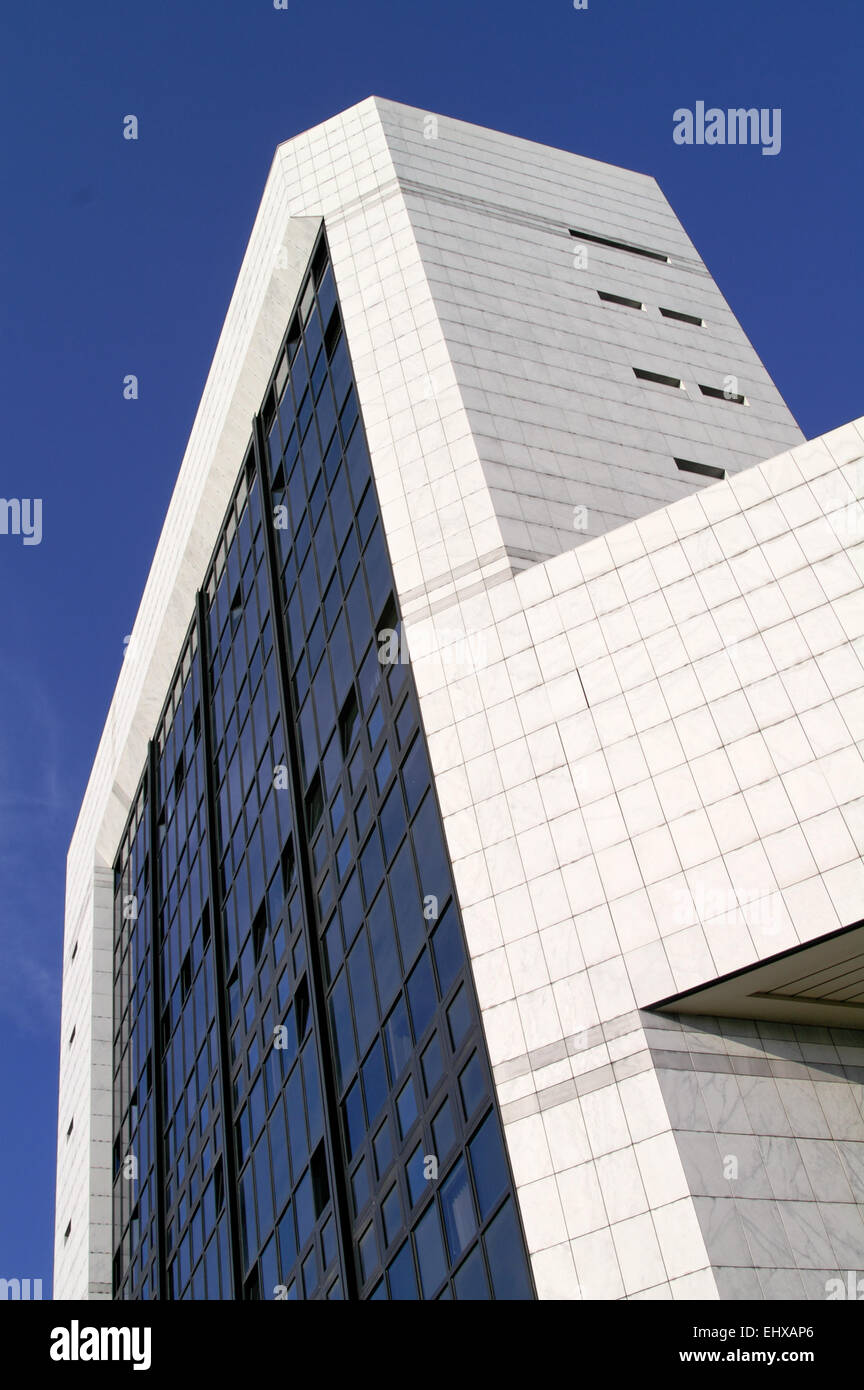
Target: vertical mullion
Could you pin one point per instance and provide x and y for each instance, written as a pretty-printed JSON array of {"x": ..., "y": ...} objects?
[
  {"x": 323, "y": 1047},
  {"x": 216, "y": 937},
  {"x": 156, "y": 1005}
]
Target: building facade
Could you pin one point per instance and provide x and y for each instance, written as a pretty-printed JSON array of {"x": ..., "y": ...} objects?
[
  {"x": 315, "y": 1063},
  {"x": 467, "y": 886}
]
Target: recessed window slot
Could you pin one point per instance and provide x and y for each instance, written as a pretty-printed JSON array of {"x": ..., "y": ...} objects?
[
  {"x": 619, "y": 299},
  {"x": 716, "y": 394},
  {"x": 618, "y": 245},
  {"x": 705, "y": 470},
  {"x": 657, "y": 377},
  {"x": 682, "y": 318}
]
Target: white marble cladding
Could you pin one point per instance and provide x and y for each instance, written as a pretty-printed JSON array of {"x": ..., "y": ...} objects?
[
  {"x": 82, "y": 1258},
  {"x": 571, "y": 444},
  {"x": 648, "y": 757},
  {"x": 498, "y": 391},
  {"x": 769, "y": 1125}
]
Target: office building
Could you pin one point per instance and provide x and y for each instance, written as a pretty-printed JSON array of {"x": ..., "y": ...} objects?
[{"x": 463, "y": 902}]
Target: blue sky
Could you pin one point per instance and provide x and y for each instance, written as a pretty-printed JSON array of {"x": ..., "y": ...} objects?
[{"x": 119, "y": 257}]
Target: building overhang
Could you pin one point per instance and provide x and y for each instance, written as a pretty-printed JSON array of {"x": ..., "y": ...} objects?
[{"x": 820, "y": 984}]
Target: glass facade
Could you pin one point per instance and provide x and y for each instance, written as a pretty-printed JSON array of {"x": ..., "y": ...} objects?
[{"x": 294, "y": 1012}]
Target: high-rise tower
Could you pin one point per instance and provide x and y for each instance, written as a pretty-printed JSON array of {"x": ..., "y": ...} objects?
[{"x": 491, "y": 710}]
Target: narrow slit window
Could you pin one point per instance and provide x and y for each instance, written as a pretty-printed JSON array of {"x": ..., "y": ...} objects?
[
  {"x": 682, "y": 318},
  {"x": 618, "y": 245},
  {"x": 619, "y": 299},
  {"x": 705, "y": 470},
  {"x": 716, "y": 394},
  {"x": 71, "y": 1127},
  {"x": 658, "y": 378}
]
